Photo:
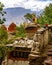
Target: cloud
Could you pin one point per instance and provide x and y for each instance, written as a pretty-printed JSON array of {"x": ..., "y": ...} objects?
[
  {"x": 34, "y": 5},
  {"x": 27, "y": 4}
]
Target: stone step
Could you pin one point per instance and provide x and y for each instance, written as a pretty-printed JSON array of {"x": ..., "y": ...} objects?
[
  {"x": 15, "y": 62},
  {"x": 49, "y": 46},
  {"x": 49, "y": 53},
  {"x": 49, "y": 50},
  {"x": 35, "y": 52},
  {"x": 50, "y": 57},
  {"x": 48, "y": 61},
  {"x": 32, "y": 56},
  {"x": 50, "y": 43}
]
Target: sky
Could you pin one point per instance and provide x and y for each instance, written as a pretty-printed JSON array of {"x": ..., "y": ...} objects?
[{"x": 33, "y": 5}]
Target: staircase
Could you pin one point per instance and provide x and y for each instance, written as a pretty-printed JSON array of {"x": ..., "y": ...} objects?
[
  {"x": 49, "y": 50},
  {"x": 48, "y": 61}
]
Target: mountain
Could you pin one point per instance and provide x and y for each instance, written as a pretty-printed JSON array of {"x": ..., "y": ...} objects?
[{"x": 16, "y": 15}]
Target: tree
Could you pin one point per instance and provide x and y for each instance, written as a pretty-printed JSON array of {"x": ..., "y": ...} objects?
[
  {"x": 28, "y": 16},
  {"x": 41, "y": 20},
  {"x": 48, "y": 13},
  {"x": 3, "y": 33},
  {"x": 2, "y": 19},
  {"x": 3, "y": 41},
  {"x": 20, "y": 31},
  {"x": 46, "y": 16},
  {"x": 31, "y": 17}
]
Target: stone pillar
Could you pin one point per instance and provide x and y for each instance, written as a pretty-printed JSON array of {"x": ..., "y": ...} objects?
[
  {"x": 50, "y": 33},
  {"x": 46, "y": 38}
]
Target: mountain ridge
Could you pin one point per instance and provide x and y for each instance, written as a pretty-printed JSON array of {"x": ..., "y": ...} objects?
[{"x": 16, "y": 14}]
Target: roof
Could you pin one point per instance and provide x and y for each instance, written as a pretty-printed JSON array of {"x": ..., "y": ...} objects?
[
  {"x": 11, "y": 27},
  {"x": 30, "y": 25}
]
